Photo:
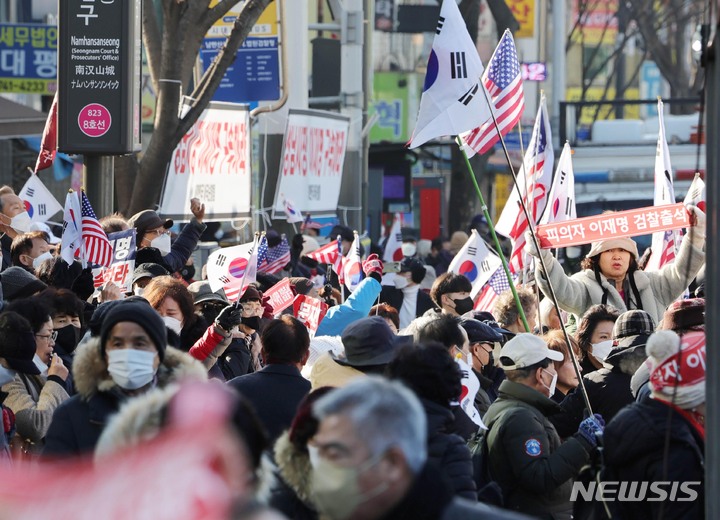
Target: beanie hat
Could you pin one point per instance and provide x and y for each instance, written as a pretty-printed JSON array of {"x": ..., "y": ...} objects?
[
  {"x": 628, "y": 244},
  {"x": 18, "y": 283},
  {"x": 251, "y": 293},
  {"x": 685, "y": 315},
  {"x": 677, "y": 368},
  {"x": 139, "y": 312},
  {"x": 302, "y": 285}
]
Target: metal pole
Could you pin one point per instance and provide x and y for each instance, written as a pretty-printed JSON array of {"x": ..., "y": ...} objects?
[
  {"x": 99, "y": 182},
  {"x": 712, "y": 302},
  {"x": 558, "y": 67}
]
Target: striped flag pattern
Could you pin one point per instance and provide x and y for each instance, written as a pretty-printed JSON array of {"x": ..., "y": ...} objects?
[
  {"x": 97, "y": 246},
  {"x": 273, "y": 259},
  {"x": 503, "y": 82},
  {"x": 497, "y": 284},
  {"x": 327, "y": 254}
]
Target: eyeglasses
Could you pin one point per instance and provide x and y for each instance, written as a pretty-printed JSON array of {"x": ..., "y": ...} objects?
[
  {"x": 158, "y": 232},
  {"x": 52, "y": 335}
]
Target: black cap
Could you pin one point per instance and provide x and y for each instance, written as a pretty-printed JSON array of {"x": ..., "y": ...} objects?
[
  {"x": 415, "y": 267},
  {"x": 140, "y": 312},
  {"x": 201, "y": 292},
  {"x": 344, "y": 232},
  {"x": 148, "y": 270},
  {"x": 17, "y": 343},
  {"x": 148, "y": 219}
]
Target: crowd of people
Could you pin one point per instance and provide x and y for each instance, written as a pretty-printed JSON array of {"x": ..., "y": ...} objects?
[{"x": 406, "y": 402}]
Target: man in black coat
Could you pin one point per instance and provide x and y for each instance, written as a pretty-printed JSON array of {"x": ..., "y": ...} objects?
[
  {"x": 406, "y": 296},
  {"x": 277, "y": 389}
]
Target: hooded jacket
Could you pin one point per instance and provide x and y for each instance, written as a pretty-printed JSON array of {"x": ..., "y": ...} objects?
[
  {"x": 634, "y": 447},
  {"x": 79, "y": 421},
  {"x": 577, "y": 293}
]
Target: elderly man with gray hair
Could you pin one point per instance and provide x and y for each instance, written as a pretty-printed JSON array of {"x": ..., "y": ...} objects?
[{"x": 369, "y": 458}]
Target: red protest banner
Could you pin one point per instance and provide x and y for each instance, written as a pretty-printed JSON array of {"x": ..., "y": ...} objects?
[
  {"x": 280, "y": 296},
  {"x": 310, "y": 311},
  {"x": 620, "y": 224}
]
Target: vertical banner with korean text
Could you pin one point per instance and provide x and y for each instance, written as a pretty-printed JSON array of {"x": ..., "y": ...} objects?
[
  {"x": 211, "y": 162},
  {"x": 312, "y": 162},
  {"x": 123, "y": 262}
]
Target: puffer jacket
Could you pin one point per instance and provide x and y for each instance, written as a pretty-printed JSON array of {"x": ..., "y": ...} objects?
[
  {"x": 448, "y": 451},
  {"x": 577, "y": 293},
  {"x": 79, "y": 421}
]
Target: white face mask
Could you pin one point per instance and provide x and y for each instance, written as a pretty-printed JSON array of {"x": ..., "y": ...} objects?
[
  {"x": 47, "y": 255},
  {"x": 400, "y": 281},
  {"x": 162, "y": 243},
  {"x": 553, "y": 383},
  {"x": 130, "y": 368},
  {"x": 408, "y": 249},
  {"x": 173, "y": 324},
  {"x": 6, "y": 375},
  {"x": 602, "y": 350},
  {"x": 138, "y": 291},
  {"x": 21, "y": 222},
  {"x": 40, "y": 364}
]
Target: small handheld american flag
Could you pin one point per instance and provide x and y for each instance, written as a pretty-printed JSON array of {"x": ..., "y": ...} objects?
[{"x": 96, "y": 244}]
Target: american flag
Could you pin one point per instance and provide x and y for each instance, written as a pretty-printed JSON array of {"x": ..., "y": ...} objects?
[
  {"x": 327, "y": 254},
  {"x": 503, "y": 81},
  {"x": 272, "y": 259},
  {"x": 97, "y": 246},
  {"x": 496, "y": 285}
]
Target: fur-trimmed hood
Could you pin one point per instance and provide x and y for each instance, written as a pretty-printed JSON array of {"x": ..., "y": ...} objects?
[
  {"x": 91, "y": 376},
  {"x": 294, "y": 467}
]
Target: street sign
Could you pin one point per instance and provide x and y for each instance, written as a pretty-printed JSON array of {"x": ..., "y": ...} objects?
[
  {"x": 28, "y": 58},
  {"x": 255, "y": 74},
  {"x": 99, "y": 76}
]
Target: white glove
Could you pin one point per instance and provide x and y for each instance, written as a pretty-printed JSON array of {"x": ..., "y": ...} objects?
[
  {"x": 697, "y": 230},
  {"x": 532, "y": 250}
]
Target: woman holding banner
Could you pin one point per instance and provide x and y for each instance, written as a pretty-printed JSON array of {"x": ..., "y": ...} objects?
[{"x": 611, "y": 276}]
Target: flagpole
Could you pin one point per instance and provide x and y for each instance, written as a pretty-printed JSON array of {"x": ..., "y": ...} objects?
[
  {"x": 247, "y": 267},
  {"x": 484, "y": 209}
]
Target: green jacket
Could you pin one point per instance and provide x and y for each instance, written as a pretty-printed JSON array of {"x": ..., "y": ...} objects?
[{"x": 525, "y": 455}]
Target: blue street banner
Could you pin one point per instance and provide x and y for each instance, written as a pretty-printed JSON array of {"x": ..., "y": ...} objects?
[{"x": 28, "y": 58}]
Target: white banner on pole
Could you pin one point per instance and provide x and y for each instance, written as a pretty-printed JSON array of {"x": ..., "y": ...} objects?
[
  {"x": 312, "y": 162},
  {"x": 212, "y": 162}
]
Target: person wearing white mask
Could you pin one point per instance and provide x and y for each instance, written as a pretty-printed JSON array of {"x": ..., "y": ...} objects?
[
  {"x": 523, "y": 450},
  {"x": 406, "y": 295},
  {"x": 594, "y": 335},
  {"x": 13, "y": 220},
  {"x": 130, "y": 357},
  {"x": 33, "y": 396},
  {"x": 191, "y": 333},
  {"x": 154, "y": 244},
  {"x": 29, "y": 250}
]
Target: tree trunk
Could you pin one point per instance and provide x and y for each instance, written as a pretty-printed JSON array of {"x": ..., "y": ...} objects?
[{"x": 126, "y": 169}]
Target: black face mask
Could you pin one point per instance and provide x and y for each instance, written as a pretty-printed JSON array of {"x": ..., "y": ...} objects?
[
  {"x": 253, "y": 322},
  {"x": 68, "y": 338},
  {"x": 463, "y": 305}
]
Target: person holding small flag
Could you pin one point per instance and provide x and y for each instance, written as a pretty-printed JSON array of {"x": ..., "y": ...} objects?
[{"x": 153, "y": 237}]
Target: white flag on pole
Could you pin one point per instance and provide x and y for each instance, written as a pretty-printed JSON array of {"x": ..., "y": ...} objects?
[
  {"x": 393, "y": 244},
  {"x": 72, "y": 239},
  {"x": 452, "y": 101},
  {"x": 232, "y": 269},
  {"x": 39, "y": 202},
  {"x": 352, "y": 265},
  {"x": 561, "y": 202}
]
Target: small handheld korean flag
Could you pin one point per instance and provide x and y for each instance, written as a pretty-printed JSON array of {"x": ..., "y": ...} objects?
[
  {"x": 393, "y": 244},
  {"x": 561, "y": 202},
  {"x": 227, "y": 267},
  {"x": 696, "y": 193},
  {"x": 476, "y": 262},
  {"x": 352, "y": 266},
  {"x": 39, "y": 202},
  {"x": 291, "y": 212},
  {"x": 452, "y": 100},
  {"x": 72, "y": 239}
]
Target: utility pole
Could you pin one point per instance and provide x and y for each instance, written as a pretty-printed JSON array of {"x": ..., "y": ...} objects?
[{"x": 559, "y": 10}]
